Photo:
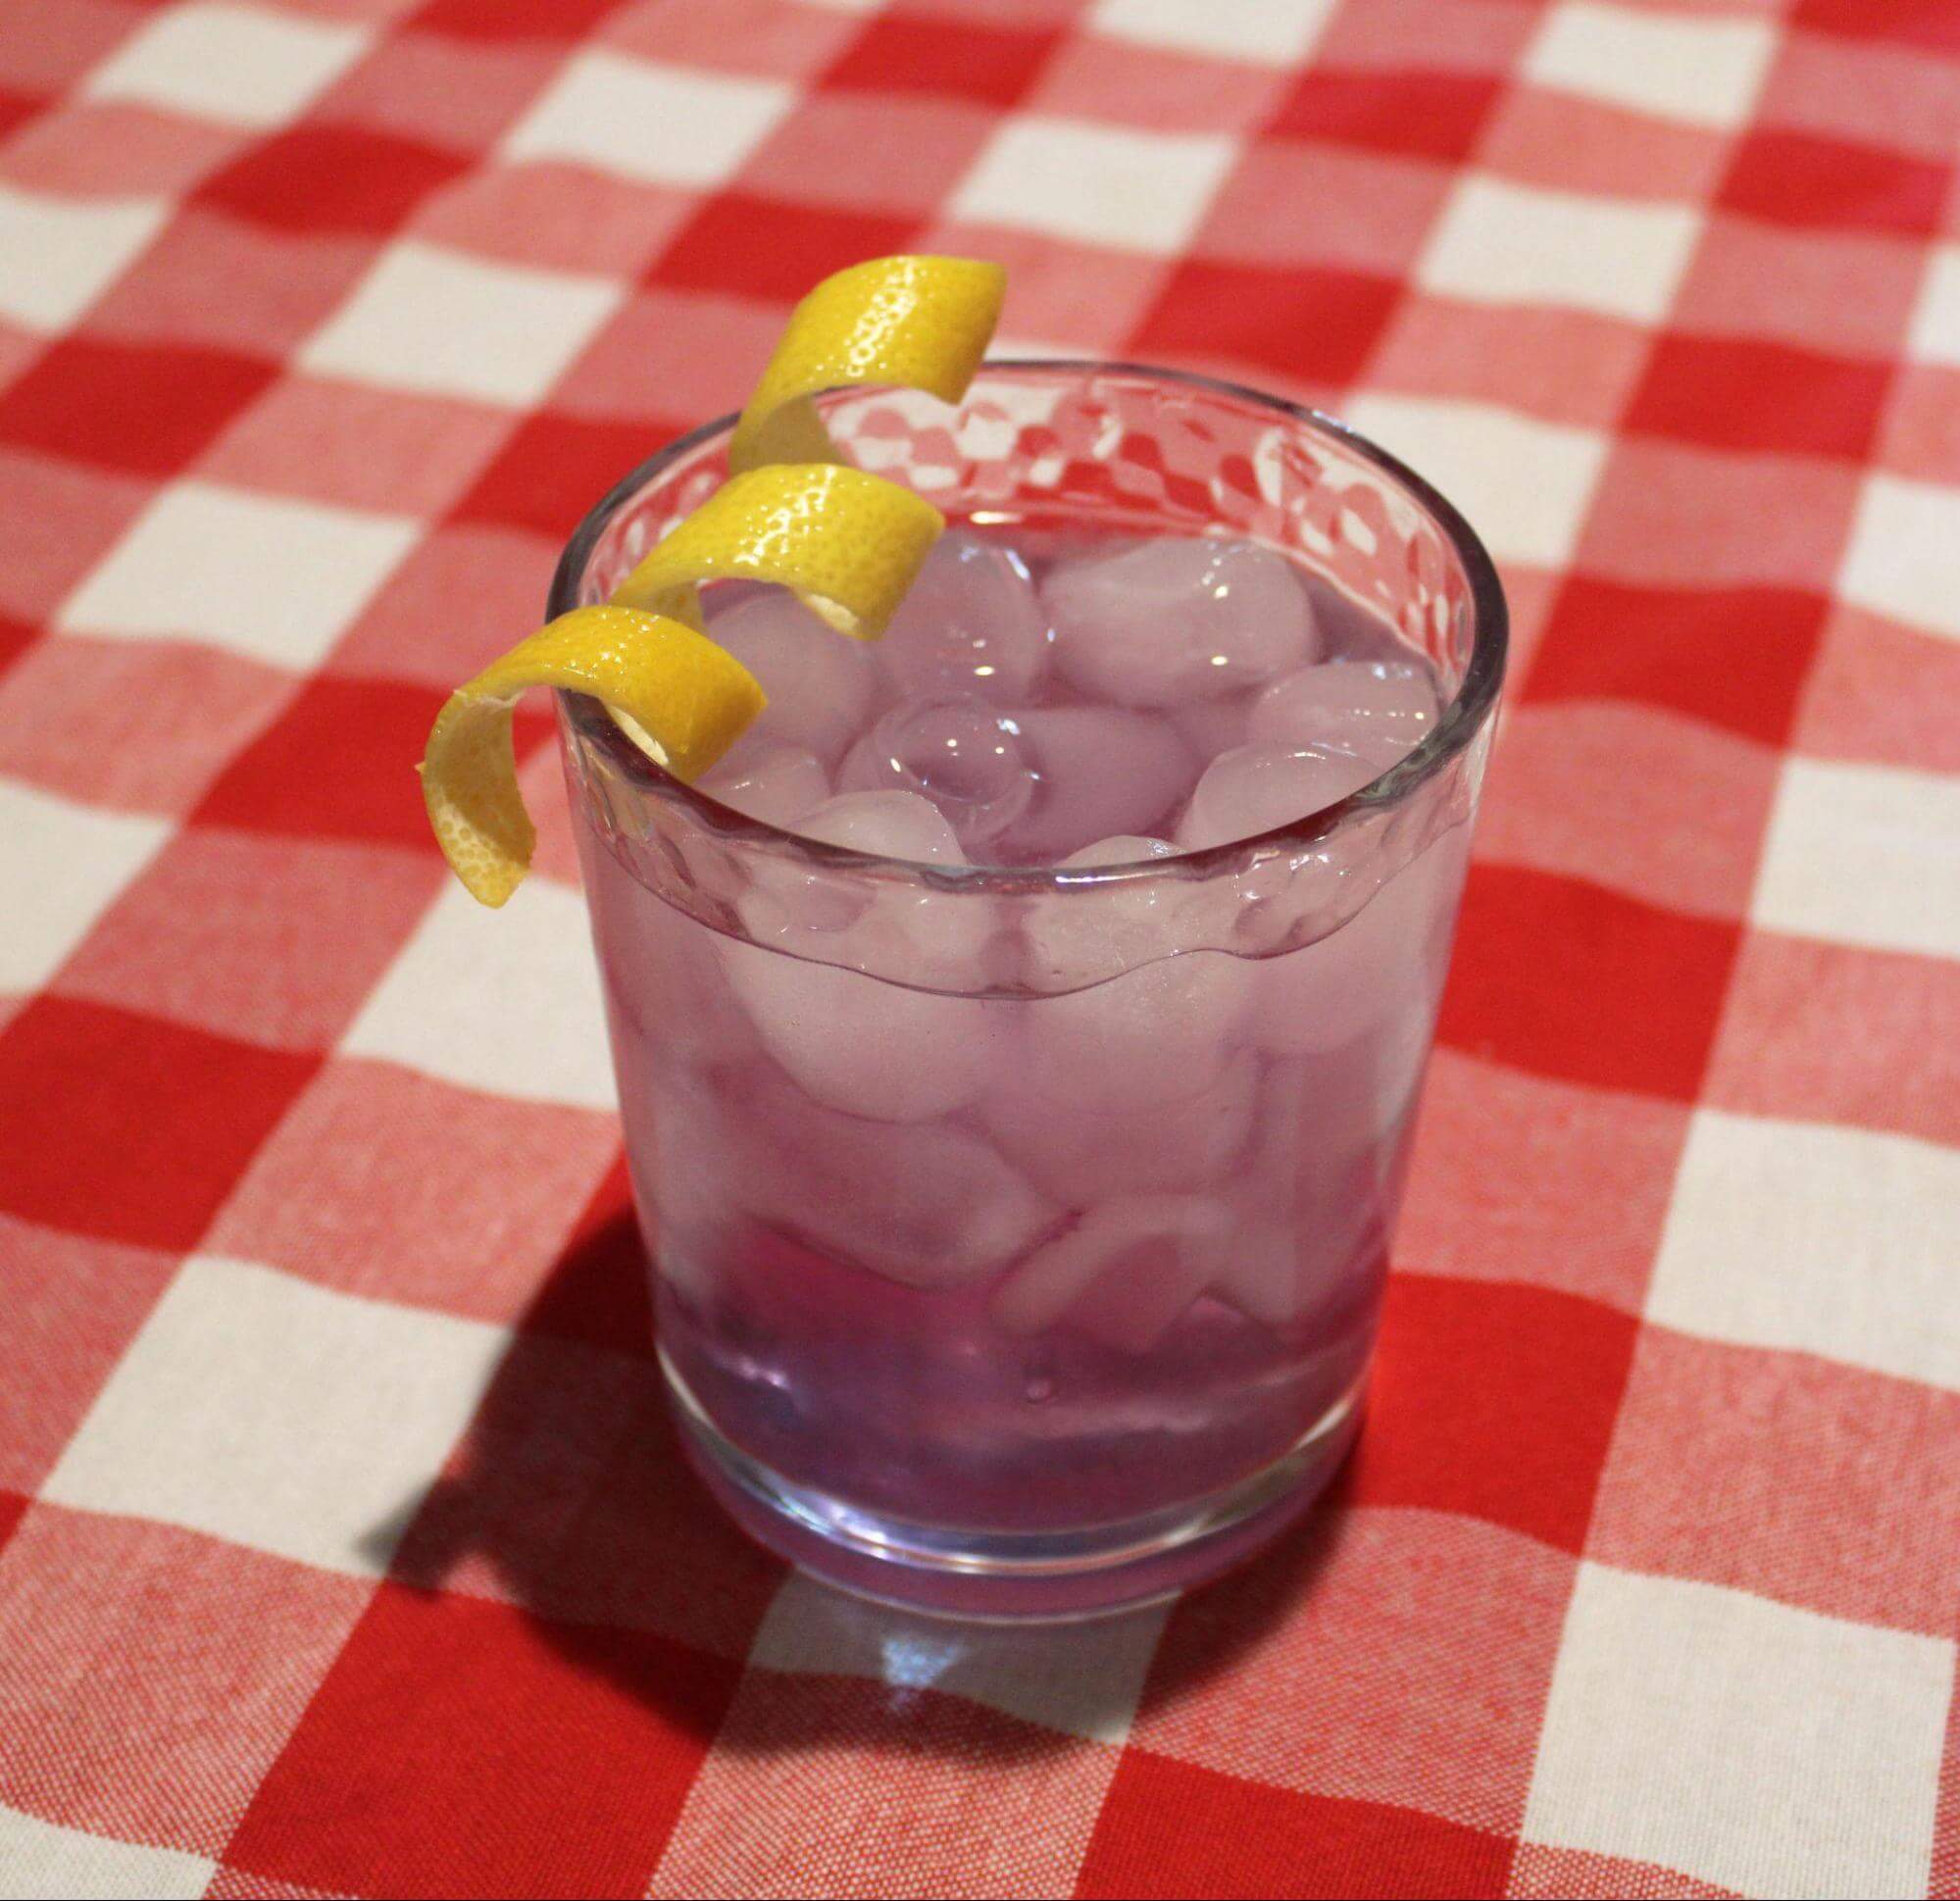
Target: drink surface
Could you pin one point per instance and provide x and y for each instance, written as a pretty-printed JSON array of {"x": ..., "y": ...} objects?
[{"x": 1025, "y": 1262}]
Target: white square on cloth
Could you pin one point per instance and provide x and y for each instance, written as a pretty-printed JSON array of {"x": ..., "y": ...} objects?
[
  {"x": 1757, "y": 1747},
  {"x": 280, "y": 1415}
]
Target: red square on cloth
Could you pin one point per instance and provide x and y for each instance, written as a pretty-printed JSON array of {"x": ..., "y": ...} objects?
[
  {"x": 1798, "y": 178},
  {"x": 1733, "y": 393},
  {"x": 78, "y": 401},
  {"x": 149, "y": 1677},
  {"x": 1665, "y": 972},
  {"x": 763, "y": 248},
  {"x": 401, "y": 1779},
  {"x": 901, "y": 52},
  {"x": 1493, "y": 1400},
  {"x": 1427, "y": 113},
  {"x": 142, "y": 1125},
  {"x": 1734, "y": 657},
  {"x": 320, "y": 177},
  {"x": 335, "y": 765},
  {"x": 1926, "y": 23},
  {"x": 555, "y": 467},
  {"x": 1314, "y": 324},
  {"x": 1257, "y": 1840}
]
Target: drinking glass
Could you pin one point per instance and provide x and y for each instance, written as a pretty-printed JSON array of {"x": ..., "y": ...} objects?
[{"x": 1019, "y": 1235}]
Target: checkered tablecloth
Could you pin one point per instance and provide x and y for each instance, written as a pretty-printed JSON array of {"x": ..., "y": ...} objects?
[{"x": 344, "y": 1546}]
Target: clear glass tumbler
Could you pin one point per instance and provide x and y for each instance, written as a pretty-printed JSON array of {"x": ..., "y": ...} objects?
[{"x": 1018, "y": 1237}]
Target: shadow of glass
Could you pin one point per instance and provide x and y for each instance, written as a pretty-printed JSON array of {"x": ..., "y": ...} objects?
[{"x": 570, "y": 1499}]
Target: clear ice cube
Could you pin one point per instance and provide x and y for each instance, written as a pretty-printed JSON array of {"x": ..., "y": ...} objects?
[
  {"x": 962, "y": 754},
  {"x": 972, "y": 623},
  {"x": 1170, "y": 621},
  {"x": 768, "y": 780},
  {"x": 820, "y": 686},
  {"x": 1099, "y": 771},
  {"x": 1255, "y": 788},
  {"x": 1386, "y": 708}
]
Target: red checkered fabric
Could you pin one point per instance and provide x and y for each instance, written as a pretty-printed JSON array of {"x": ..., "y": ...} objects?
[{"x": 344, "y": 1547}]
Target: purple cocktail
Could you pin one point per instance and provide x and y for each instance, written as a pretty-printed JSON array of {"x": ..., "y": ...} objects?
[{"x": 1019, "y": 1032}]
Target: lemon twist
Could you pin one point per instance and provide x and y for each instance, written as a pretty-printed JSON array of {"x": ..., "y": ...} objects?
[
  {"x": 919, "y": 322},
  {"x": 667, "y": 677},
  {"x": 846, "y": 542}
]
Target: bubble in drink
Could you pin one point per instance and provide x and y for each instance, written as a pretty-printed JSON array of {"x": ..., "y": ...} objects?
[
  {"x": 1165, "y": 622},
  {"x": 962, "y": 754},
  {"x": 1385, "y": 707},
  {"x": 820, "y": 686},
  {"x": 1253, "y": 789},
  {"x": 972, "y": 623}
]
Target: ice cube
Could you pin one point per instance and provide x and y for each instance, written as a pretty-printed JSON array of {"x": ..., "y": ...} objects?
[
  {"x": 1169, "y": 621},
  {"x": 1172, "y": 1148},
  {"x": 1100, "y": 772},
  {"x": 768, "y": 780},
  {"x": 972, "y": 623},
  {"x": 1255, "y": 788},
  {"x": 1213, "y": 727},
  {"x": 962, "y": 754},
  {"x": 887, "y": 824},
  {"x": 820, "y": 686},
  {"x": 1162, "y": 1030},
  {"x": 1383, "y": 708},
  {"x": 1159, "y": 1034},
  {"x": 1387, "y": 961},
  {"x": 929, "y": 1206},
  {"x": 1165, "y": 1245},
  {"x": 941, "y": 931},
  {"x": 860, "y": 1045}
]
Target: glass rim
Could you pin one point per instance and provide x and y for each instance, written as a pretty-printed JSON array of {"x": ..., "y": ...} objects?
[{"x": 1465, "y": 716}]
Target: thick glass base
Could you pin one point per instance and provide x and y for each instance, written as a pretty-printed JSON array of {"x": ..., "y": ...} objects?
[{"x": 951, "y": 1570}]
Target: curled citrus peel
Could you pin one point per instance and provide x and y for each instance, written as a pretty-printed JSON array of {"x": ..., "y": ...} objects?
[
  {"x": 922, "y": 323},
  {"x": 670, "y": 680},
  {"x": 845, "y": 542}
]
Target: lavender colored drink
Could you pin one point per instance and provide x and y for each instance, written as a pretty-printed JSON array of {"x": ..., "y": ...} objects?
[{"x": 1020, "y": 1211}]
